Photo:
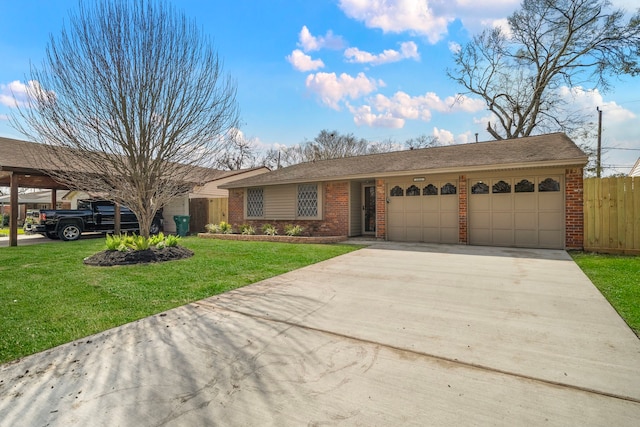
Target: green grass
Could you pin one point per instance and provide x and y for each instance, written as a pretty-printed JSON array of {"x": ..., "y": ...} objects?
[
  {"x": 5, "y": 231},
  {"x": 618, "y": 278},
  {"x": 49, "y": 297}
]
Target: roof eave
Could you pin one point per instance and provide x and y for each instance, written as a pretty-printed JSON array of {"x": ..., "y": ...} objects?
[{"x": 577, "y": 162}]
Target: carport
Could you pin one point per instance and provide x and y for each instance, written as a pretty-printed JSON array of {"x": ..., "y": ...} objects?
[{"x": 20, "y": 166}]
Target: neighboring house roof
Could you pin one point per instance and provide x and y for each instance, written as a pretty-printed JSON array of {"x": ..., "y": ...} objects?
[
  {"x": 635, "y": 170},
  {"x": 537, "y": 151},
  {"x": 33, "y": 197}
]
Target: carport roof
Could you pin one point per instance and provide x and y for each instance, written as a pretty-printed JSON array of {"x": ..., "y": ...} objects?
[
  {"x": 21, "y": 157},
  {"x": 555, "y": 149}
]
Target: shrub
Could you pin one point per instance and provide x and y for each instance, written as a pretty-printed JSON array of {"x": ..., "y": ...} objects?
[
  {"x": 124, "y": 242},
  {"x": 212, "y": 228},
  {"x": 247, "y": 229},
  {"x": 226, "y": 228},
  {"x": 171, "y": 241},
  {"x": 5, "y": 220},
  {"x": 269, "y": 230},
  {"x": 223, "y": 227},
  {"x": 293, "y": 230},
  {"x": 155, "y": 240}
]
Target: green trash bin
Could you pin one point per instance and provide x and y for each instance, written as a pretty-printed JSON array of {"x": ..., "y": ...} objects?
[{"x": 182, "y": 224}]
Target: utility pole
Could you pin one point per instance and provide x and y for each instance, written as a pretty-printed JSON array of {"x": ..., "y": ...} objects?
[{"x": 599, "y": 153}]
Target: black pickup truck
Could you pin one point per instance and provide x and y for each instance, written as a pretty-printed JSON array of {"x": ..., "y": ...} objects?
[{"x": 91, "y": 216}]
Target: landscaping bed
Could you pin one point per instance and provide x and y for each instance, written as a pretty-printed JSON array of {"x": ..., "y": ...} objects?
[{"x": 276, "y": 238}]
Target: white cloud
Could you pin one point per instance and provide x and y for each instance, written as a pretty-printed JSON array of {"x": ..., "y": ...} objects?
[
  {"x": 16, "y": 92},
  {"x": 332, "y": 89},
  {"x": 408, "y": 50},
  {"x": 3, "y": 117},
  {"x": 454, "y": 47},
  {"x": 309, "y": 43},
  {"x": 445, "y": 137},
  {"x": 396, "y": 16},
  {"x": 304, "y": 62},
  {"x": 586, "y": 100},
  {"x": 364, "y": 116}
]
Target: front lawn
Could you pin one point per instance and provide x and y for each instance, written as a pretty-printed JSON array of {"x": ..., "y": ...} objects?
[
  {"x": 5, "y": 231},
  {"x": 49, "y": 297},
  {"x": 618, "y": 278}
]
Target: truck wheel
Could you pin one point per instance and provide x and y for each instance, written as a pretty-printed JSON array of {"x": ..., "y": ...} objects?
[
  {"x": 69, "y": 232},
  {"x": 155, "y": 228},
  {"x": 52, "y": 235}
]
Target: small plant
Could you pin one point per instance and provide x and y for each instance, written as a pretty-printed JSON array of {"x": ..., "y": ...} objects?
[
  {"x": 171, "y": 241},
  {"x": 156, "y": 239},
  {"x": 293, "y": 230},
  {"x": 269, "y": 230},
  {"x": 140, "y": 243},
  {"x": 212, "y": 228},
  {"x": 113, "y": 242},
  {"x": 247, "y": 229},
  {"x": 226, "y": 228}
]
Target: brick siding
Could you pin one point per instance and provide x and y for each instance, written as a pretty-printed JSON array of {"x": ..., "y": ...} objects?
[
  {"x": 335, "y": 220},
  {"x": 381, "y": 210},
  {"x": 574, "y": 217},
  {"x": 462, "y": 210}
]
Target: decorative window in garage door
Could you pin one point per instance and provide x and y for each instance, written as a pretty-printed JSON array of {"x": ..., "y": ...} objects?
[
  {"x": 549, "y": 184},
  {"x": 448, "y": 188},
  {"x": 501, "y": 187},
  {"x": 525, "y": 186},
  {"x": 479, "y": 188},
  {"x": 413, "y": 191},
  {"x": 430, "y": 190},
  {"x": 397, "y": 191}
]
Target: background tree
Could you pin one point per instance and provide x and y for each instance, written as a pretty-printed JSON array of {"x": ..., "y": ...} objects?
[
  {"x": 237, "y": 152},
  {"x": 549, "y": 43},
  {"x": 131, "y": 102}
]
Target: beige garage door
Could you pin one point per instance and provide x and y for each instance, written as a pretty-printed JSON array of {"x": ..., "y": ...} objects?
[
  {"x": 521, "y": 211},
  {"x": 423, "y": 211}
]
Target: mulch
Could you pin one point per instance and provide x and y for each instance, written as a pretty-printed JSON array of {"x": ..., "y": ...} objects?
[{"x": 112, "y": 258}]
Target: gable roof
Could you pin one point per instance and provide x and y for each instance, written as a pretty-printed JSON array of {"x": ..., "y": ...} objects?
[{"x": 536, "y": 151}]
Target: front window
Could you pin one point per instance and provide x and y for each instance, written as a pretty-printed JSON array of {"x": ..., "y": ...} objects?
[
  {"x": 255, "y": 202},
  {"x": 308, "y": 200}
]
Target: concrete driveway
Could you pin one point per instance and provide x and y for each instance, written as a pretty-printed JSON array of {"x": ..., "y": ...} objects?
[{"x": 395, "y": 334}]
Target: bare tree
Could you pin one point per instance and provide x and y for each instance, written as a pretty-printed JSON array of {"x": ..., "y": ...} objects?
[
  {"x": 422, "y": 141},
  {"x": 549, "y": 43},
  {"x": 238, "y": 152},
  {"x": 131, "y": 101}
]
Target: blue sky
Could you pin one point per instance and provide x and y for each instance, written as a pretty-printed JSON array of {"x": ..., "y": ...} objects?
[{"x": 376, "y": 69}]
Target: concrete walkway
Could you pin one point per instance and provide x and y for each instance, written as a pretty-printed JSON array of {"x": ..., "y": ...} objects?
[{"x": 395, "y": 334}]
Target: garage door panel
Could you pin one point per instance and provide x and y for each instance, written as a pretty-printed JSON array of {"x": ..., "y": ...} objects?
[
  {"x": 524, "y": 211},
  {"x": 421, "y": 217},
  {"x": 524, "y": 202},
  {"x": 447, "y": 220},
  {"x": 449, "y": 235},
  {"x": 550, "y": 239},
  {"x": 503, "y": 220},
  {"x": 525, "y": 220},
  {"x": 550, "y": 220},
  {"x": 449, "y": 203},
  {"x": 431, "y": 219},
  {"x": 526, "y": 238},
  {"x": 414, "y": 234},
  {"x": 480, "y": 220},
  {"x": 502, "y": 202},
  {"x": 430, "y": 204}
]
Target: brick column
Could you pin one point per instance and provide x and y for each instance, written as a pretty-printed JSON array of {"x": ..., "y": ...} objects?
[
  {"x": 574, "y": 215},
  {"x": 236, "y": 206},
  {"x": 463, "y": 237},
  {"x": 381, "y": 210}
]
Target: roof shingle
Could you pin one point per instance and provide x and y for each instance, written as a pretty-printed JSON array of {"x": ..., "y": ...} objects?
[{"x": 537, "y": 151}]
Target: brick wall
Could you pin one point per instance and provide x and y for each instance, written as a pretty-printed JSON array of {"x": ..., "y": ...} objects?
[
  {"x": 381, "y": 210},
  {"x": 574, "y": 219},
  {"x": 335, "y": 206},
  {"x": 462, "y": 210}
]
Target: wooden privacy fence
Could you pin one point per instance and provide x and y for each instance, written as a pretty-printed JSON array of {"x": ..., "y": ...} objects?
[
  {"x": 612, "y": 215},
  {"x": 205, "y": 211}
]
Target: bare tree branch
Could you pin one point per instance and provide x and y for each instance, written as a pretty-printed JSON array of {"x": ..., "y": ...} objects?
[
  {"x": 550, "y": 43},
  {"x": 132, "y": 101}
]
